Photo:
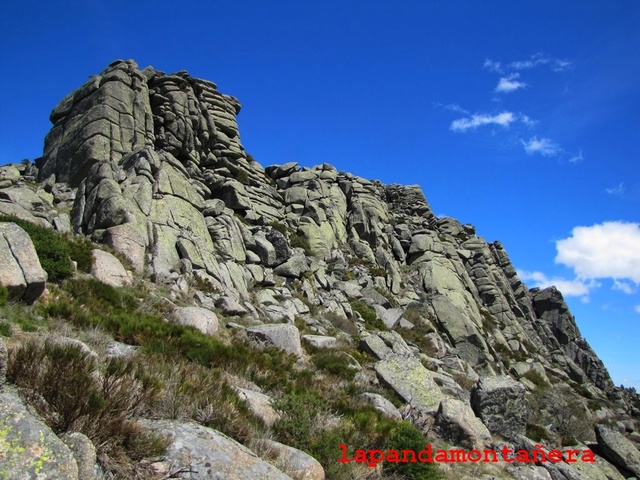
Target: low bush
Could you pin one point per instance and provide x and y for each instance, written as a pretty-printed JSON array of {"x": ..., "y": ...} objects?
[
  {"x": 334, "y": 363},
  {"x": 407, "y": 437},
  {"x": 368, "y": 314},
  {"x": 55, "y": 250},
  {"x": 62, "y": 382},
  {"x": 297, "y": 240},
  {"x": 4, "y": 295}
]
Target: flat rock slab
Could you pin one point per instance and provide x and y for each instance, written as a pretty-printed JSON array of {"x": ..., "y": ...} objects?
[
  {"x": 211, "y": 454},
  {"x": 259, "y": 404},
  {"x": 618, "y": 449},
  {"x": 414, "y": 383},
  {"x": 320, "y": 341}
]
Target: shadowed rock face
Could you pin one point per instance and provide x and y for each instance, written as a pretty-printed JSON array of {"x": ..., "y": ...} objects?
[{"x": 163, "y": 178}]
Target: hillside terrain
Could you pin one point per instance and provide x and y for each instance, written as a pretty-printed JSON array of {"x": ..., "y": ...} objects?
[{"x": 173, "y": 309}]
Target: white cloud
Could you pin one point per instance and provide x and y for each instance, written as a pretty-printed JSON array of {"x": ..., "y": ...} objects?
[
  {"x": 577, "y": 158},
  {"x": 606, "y": 250},
  {"x": 492, "y": 66},
  {"x": 624, "y": 287},
  {"x": 538, "y": 59},
  {"x": 637, "y": 309},
  {"x": 616, "y": 191},
  {"x": 543, "y": 146},
  {"x": 452, "y": 107},
  {"x": 510, "y": 84},
  {"x": 569, "y": 288},
  {"x": 503, "y": 119}
]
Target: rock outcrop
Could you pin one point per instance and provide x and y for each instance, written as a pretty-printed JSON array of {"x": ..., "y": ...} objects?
[{"x": 152, "y": 165}]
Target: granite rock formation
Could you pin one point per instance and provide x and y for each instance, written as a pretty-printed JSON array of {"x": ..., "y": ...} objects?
[{"x": 152, "y": 165}]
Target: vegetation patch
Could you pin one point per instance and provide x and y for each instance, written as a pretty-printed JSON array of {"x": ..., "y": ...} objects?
[
  {"x": 368, "y": 314},
  {"x": 56, "y": 250}
]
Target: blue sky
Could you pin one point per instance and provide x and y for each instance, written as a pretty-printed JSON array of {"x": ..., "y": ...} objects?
[{"x": 518, "y": 117}]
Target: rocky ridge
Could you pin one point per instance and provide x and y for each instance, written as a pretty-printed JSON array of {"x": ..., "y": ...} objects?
[{"x": 152, "y": 166}]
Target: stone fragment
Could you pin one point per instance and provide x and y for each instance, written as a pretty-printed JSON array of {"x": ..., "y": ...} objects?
[
  {"x": 3, "y": 364},
  {"x": 200, "y": 318},
  {"x": 230, "y": 306},
  {"x": 259, "y": 404},
  {"x": 84, "y": 452},
  {"x": 456, "y": 423},
  {"x": 500, "y": 403},
  {"x": 320, "y": 341},
  {"x": 295, "y": 463},
  {"x": 381, "y": 404}
]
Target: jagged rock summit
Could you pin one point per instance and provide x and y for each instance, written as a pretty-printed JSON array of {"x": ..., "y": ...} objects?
[{"x": 152, "y": 165}]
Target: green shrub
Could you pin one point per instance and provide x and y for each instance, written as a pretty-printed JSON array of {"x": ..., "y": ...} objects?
[
  {"x": 56, "y": 251},
  {"x": 368, "y": 314},
  {"x": 535, "y": 378},
  {"x": 73, "y": 398},
  {"x": 5, "y": 329},
  {"x": 4, "y": 295},
  {"x": 335, "y": 363},
  {"x": 279, "y": 226},
  {"x": 407, "y": 437},
  {"x": 297, "y": 240}
]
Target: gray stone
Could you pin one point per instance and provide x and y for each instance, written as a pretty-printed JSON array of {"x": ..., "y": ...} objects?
[
  {"x": 108, "y": 269},
  {"x": 616, "y": 448},
  {"x": 500, "y": 403},
  {"x": 84, "y": 452},
  {"x": 230, "y": 306},
  {"x": 320, "y": 341},
  {"x": 457, "y": 424},
  {"x": 292, "y": 268},
  {"x": 411, "y": 381},
  {"x": 118, "y": 349},
  {"x": 259, "y": 404},
  {"x": 381, "y": 404},
  {"x": 211, "y": 454},
  {"x": 200, "y": 318},
  {"x": 20, "y": 269},
  {"x": 528, "y": 472},
  {"x": 392, "y": 317},
  {"x": 30, "y": 448},
  {"x": 284, "y": 337},
  {"x": 295, "y": 463}
]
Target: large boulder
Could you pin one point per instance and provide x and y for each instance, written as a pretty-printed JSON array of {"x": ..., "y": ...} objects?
[
  {"x": 259, "y": 404},
  {"x": 28, "y": 448},
  {"x": 456, "y": 423},
  {"x": 200, "y": 318},
  {"x": 411, "y": 381},
  {"x": 211, "y": 454},
  {"x": 108, "y": 269},
  {"x": 500, "y": 403},
  {"x": 20, "y": 269},
  {"x": 282, "y": 336},
  {"x": 616, "y": 448}
]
